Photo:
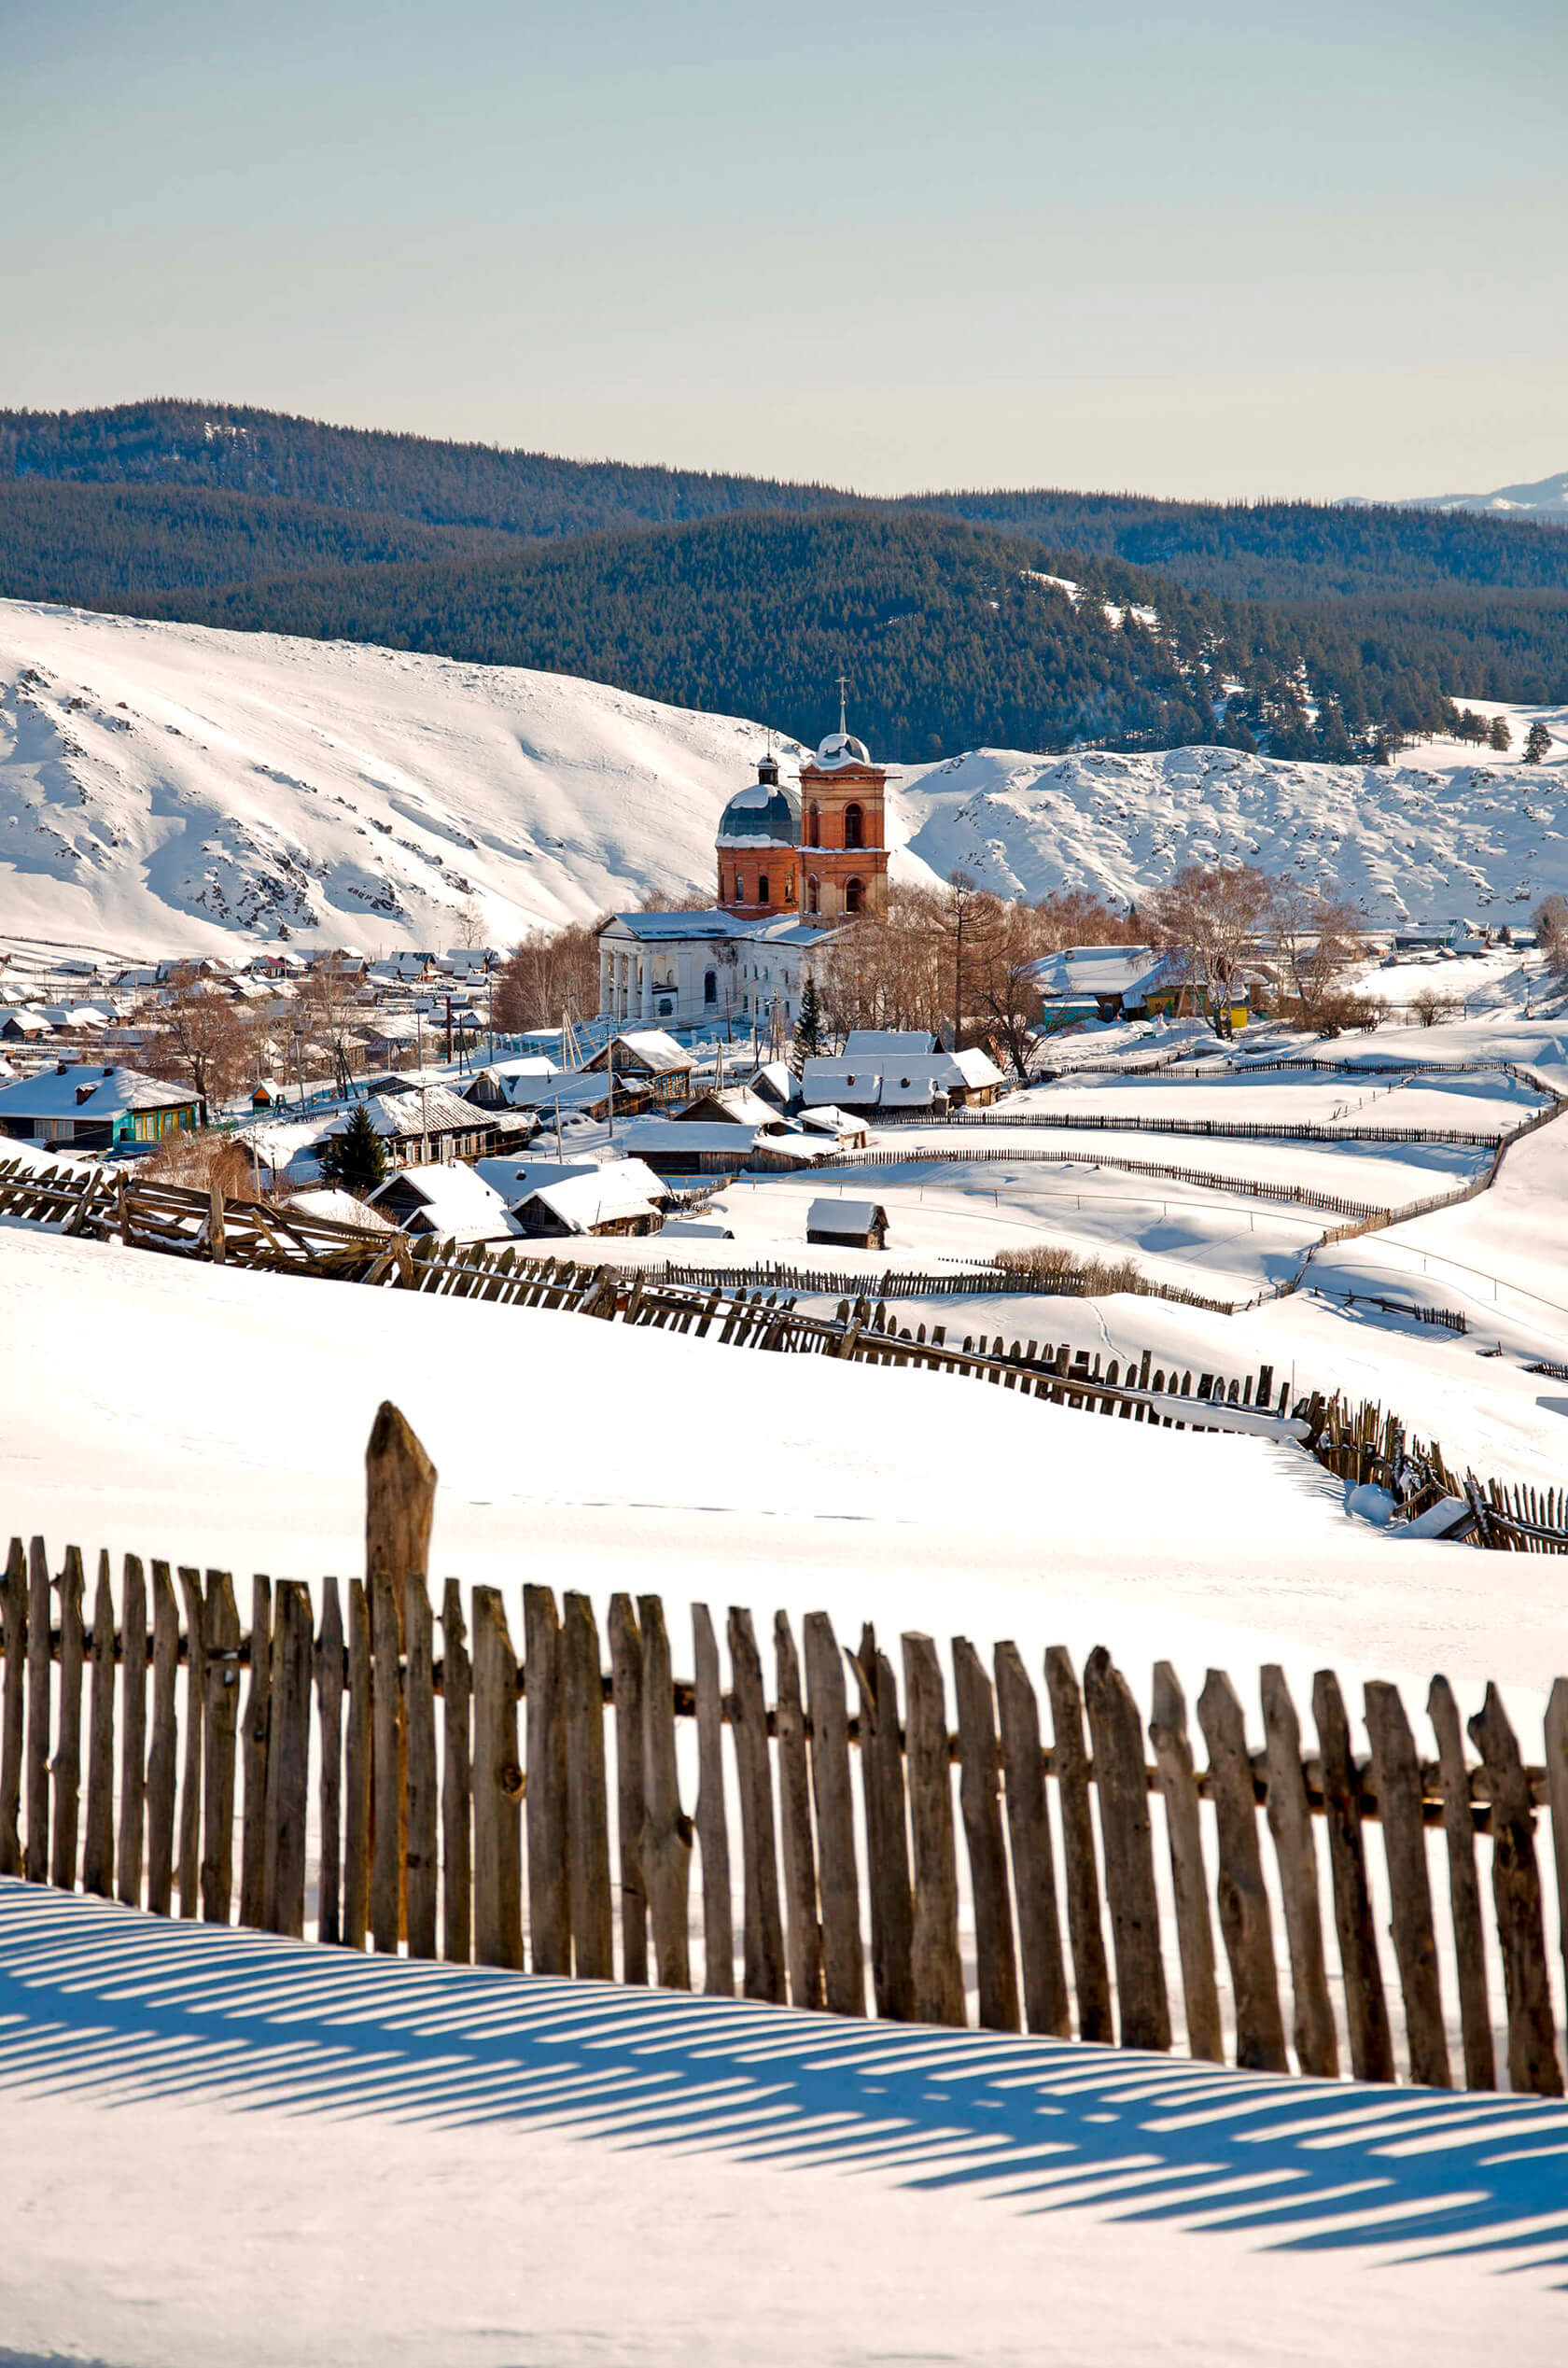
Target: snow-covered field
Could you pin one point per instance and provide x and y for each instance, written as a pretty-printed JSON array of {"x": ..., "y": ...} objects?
[{"x": 163, "y": 786}]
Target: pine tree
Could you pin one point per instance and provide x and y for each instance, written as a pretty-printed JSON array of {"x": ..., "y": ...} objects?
[
  {"x": 810, "y": 1039},
  {"x": 1537, "y": 742},
  {"x": 1500, "y": 737},
  {"x": 356, "y": 1159}
]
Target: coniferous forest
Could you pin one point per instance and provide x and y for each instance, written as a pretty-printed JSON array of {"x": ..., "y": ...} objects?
[{"x": 1311, "y": 629}]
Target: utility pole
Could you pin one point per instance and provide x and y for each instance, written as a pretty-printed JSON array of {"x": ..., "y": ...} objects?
[{"x": 448, "y": 1003}]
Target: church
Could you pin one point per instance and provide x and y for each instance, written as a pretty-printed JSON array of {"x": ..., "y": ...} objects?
[{"x": 791, "y": 863}]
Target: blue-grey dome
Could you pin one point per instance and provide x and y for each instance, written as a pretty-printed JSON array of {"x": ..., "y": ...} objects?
[{"x": 764, "y": 814}]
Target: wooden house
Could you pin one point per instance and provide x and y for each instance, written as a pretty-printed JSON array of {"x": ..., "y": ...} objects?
[{"x": 847, "y": 1225}]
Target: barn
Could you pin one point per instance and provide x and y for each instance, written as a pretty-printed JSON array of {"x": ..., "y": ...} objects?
[{"x": 847, "y": 1225}]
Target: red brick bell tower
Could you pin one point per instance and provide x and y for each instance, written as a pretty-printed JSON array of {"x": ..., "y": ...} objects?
[{"x": 843, "y": 846}]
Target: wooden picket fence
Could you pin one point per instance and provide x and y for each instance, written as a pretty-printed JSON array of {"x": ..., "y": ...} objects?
[
  {"x": 1231, "y": 1130},
  {"x": 567, "y": 1848}
]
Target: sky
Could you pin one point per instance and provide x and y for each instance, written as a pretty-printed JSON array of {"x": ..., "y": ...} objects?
[{"x": 1222, "y": 250}]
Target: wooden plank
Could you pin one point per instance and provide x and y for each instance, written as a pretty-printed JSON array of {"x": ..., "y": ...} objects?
[
  {"x": 1464, "y": 1891},
  {"x": 892, "y": 1907},
  {"x": 67, "y": 1756},
  {"x": 1290, "y": 1823},
  {"x": 132, "y": 1732},
  {"x": 545, "y": 1802},
  {"x": 456, "y": 1781},
  {"x": 163, "y": 1751},
  {"x": 667, "y": 1832},
  {"x": 626, "y": 1660},
  {"x": 1091, "y": 1974},
  {"x": 1127, "y": 1839},
  {"x": 253, "y": 1757},
  {"x": 980, "y": 1804},
  {"x": 843, "y": 1957},
  {"x": 1047, "y": 2006},
  {"x": 712, "y": 1826},
  {"x": 217, "y": 1703},
  {"x": 388, "y": 1828},
  {"x": 98, "y": 1846},
  {"x": 330, "y": 1674},
  {"x": 423, "y": 1859},
  {"x": 288, "y": 1764},
  {"x": 1365, "y": 2009},
  {"x": 1557, "y": 1793},
  {"x": 358, "y": 1756},
  {"x": 498, "y": 1788},
  {"x": 1189, "y": 1881},
  {"x": 35, "y": 1857},
  {"x": 399, "y": 1506},
  {"x": 1246, "y": 1926},
  {"x": 1534, "y": 2068},
  {"x": 938, "y": 1991},
  {"x": 1397, "y": 1774},
  {"x": 190, "y": 1887},
  {"x": 587, "y": 1801},
  {"x": 763, "y": 1937},
  {"x": 13, "y": 1748},
  {"x": 803, "y": 1926}
]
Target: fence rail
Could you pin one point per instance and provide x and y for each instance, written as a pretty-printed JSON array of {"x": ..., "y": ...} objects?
[
  {"x": 1231, "y": 1130},
  {"x": 567, "y": 1846}
]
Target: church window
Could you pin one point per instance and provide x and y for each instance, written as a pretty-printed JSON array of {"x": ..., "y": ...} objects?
[
  {"x": 854, "y": 829},
  {"x": 813, "y": 894},
  {"x": 814, "y": 824},
  {"x": 854, "y": 896},
  {"x": 710, "y": 986},
  {"x": 790, "y": 890},
  {"x": 763, "y": 888}
]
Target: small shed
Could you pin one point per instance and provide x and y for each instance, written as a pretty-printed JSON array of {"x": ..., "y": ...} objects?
[
  {"x": 850, "y": 1224},
  {"x": 266, "y": 1094},
  {"x": 623, "y": 1197}
]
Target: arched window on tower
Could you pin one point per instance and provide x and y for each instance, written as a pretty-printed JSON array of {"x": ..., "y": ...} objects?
[
  {"x": 854, "y": 896},
  {"x": 854, "y": 827},
  {"x": 740, "y": 890},
  {"x": 710, "y": 986},
  {"x": 788, "y": 887},
  {"x": 763, "y": 897},
  {"x": 813, "y": 894},
  {"x": 814, "y": 824}
]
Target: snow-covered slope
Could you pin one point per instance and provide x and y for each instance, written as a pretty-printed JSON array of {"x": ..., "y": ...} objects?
[
  {"x": 1444, "y": 831},
  {"x": 163, "y": 788}
]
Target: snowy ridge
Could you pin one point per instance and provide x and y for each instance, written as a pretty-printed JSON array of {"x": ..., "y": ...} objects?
[{"x": 165, "y": 787}]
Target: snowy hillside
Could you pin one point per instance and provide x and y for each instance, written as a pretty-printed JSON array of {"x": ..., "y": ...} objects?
[
  {"x": 1445, "y": 830},
  {"x": 164, "y": 786}
]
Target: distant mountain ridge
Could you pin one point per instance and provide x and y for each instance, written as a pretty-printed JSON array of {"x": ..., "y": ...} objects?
[{"x": 1546, "y": 500}]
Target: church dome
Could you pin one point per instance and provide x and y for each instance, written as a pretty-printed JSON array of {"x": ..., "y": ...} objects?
[
  {"x": 842, "y": 747},
  {"x": 764, "y": 814}
]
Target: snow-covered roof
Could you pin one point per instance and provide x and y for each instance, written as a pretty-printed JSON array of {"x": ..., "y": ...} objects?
[
  {"x": 430, "y": 1110},
  {"x": 895, "y": 1043},
  {"x": 841, "y": 748},
  {"x": 776, "y": 1077},
  {"x": 650, "y": 1048},
  {"x": 79, "y": 1089},
  {"x": 825, "y": 1120},
  {"x": 626, "y": 1188},
  {"x": 977, "y": 1067},
  {"x": 687, "y": 1134},
  {"x": 455, "y": 1199},
  {"x": 341, "y": 1207},
  {"x": 709, "y": 925},
  {"x": 734, "y": 1103},
  {"x": 764, "y": 814},
  {"x": 844, "y": 1216},
  {"x": 514, "y": 1179},
  {"x": 1106, "y": 971}
]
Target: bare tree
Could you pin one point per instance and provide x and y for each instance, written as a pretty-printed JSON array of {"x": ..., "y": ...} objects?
[
  {"x": 1007, "y": 979},
  {"x": 329, "y": 1009},
  {"x": 470, "y": 923},
  {"x": 1551, "y": 933},
  {"x": 209, "y": 1039},
  {"x": 1317, "y": 939},
  {"x": 549, "y": 973},
  {"x": 1209, "y": 917}
]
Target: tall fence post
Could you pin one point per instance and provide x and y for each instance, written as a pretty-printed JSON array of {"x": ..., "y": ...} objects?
[
  {"x": 423, "y": 1804},
  {"x": 1117, "y": 1732},
  {"x": 667, "y": 1832},
  {"x": 1091, "y": 1975},
  {"x": 36, "y": 1859},
  {"x": 762, "y": 1938},
  {"x": 254, "y": 1727},
  {"x": 626, "y": 1661},
  {"x": 498, "y": 1781},
  {"x": 196, "y": 1720},
  {"x": 163, "y": 1753},
  {"x": 1290, "y": 1822},
  {"x": 67, "y": 1758},
  {"x": 98, "y": 1844},
  {"x": 215, "y": 1756},
  {"x": 1397, "y": 1774},
  {"x": 1464, "y": 1895},
  {"x": 1365, "y": 2009},
  {"x": 892, "y": 1908},
  {"x": 980, "y": 1804},
  {"x": 1245, "y": 1924},
  {"x": 1189, "y": 1881},
  {"x": 842, "y": 1958},
  {"x": 544, "y": 1802},
  {"x": 587, "y": 1802},
  {"x": 1534, "y": 2068},
  {"x": 456, "y": 1781},
  {"x": 357, "y": 1772},
  {"x": 1046, "y": 2007},
  {"x": 939, "y": 1992},
  {"x": 15, "y": 1710},
  {"x": 331, "y": 1679},
  {"x": 713, "y": 1838},
  {"x": 802, "y": 1924},
  {"x": 132, "y": 1733}
]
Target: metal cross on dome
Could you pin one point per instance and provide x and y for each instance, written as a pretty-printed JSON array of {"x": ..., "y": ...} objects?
[{"x": 843, "y": 690}]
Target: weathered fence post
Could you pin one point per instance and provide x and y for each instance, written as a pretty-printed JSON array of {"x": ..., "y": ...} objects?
[
  {"x": 712, "y": 1828},
  {"x": 1464, "y": 1893},
  {"x": 1365, "y": 2010},
  {"x": 1557, "y": 1793},
  {"x": 498, "y": 1788},
  {"x": 843, "y": 1959},
  {"x": 1046, "y": 2007},
  {"x": 544, "y": 1803},
  {"x": 98, "y": 1844},
  {"x": 1245, "y": 1924},
  {"x": 587, "y": 1802},
  {"x": 456, "y": 1781},
  {"x": 667, "y": 1832},
  {"x": 35, "y": 1861},
  {"x": 762, "y": 1952},
  {"x": 1143, "y": 2010},
  {"x": 133, "y": 1733},
  {"x": 400, "y": 1506},
  {"x": 1396, "y": 1773},
  {"x": 283, "y": 1879},
  {"x": 357, "y": 1772},
  {"x": 938, "y": 1991},
  {"x": 1290, "y": 1822},
  {"x": 626, "y": 1661},
  {"x": 221, "y": 1711},
  {"x": 1534, "y": 2068},
  {"x": 163, "y": 1755},
  {"x": 802, "y": 1928},
  {"x": 195, "y": 1722},
  {"x": 15, "y": 1710},
  {"x": 980, "y": 1802},
  {"x": 331, "y": 1672},
  {"x": 388, "y": 1806},
  {"x": 68, "y": 1757},
  {"x": 254, "y": 1727},
  {"x": 1091, "y": 1975},
  {"x": 1189, "y": 1880},
  {"x": 423, "y": 1861},
  {"x": 893, "y": 1911}
]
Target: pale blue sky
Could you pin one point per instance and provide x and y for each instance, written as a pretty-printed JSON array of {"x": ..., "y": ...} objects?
[{"x": 1215, "y": 250}]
